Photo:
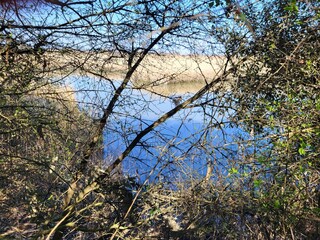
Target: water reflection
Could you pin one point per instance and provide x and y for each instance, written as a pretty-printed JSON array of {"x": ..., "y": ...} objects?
[
  {"x": 186, "y": 143},
  {"x": 176, "y": 100}
]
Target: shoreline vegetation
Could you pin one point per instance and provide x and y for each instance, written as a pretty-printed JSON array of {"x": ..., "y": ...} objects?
[
  {"x": 161, "y": 74},
  {"x": 109, "y": 130}
]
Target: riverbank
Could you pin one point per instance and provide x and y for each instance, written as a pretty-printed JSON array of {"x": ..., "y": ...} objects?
[{"x": 154, "y": 68}]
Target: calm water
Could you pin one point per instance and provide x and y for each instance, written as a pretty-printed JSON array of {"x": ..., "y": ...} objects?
[{"x": 181, "y": 146}]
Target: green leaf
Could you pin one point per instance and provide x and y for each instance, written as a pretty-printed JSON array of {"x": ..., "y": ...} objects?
[
  {"x": 302, "y": 151},
  {"x": 277, "y": 204},
  {"x": 233, "y": 171},
  {"x": 273, "y": 46},
  {"x": 257, "y": 182},
  {"x": 242, "y": 17},
  {"x": 50, "y": 197},
  {"x": 302, "y": 169},
  {"x": 154, "y": 211},
  {"x": 316, "y": 210},
  {"x": 318, "y": 104},
  {"x": 292, "y": 7}
]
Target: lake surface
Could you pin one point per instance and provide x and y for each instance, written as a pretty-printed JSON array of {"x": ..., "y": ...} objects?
[{"x": 184, "y": 145}]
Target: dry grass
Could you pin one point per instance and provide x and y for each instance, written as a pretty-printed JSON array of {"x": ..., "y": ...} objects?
[
  {"x": 61, "y": 93},
  {"x": 170, "y": 68},
  {"x": 164, "y": 74},
  {"x": 179, "y": 88},
  {"x": 154, "y": 68}
]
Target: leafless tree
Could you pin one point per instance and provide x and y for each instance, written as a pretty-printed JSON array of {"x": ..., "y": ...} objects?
[{"x": 87, "y": 152}]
